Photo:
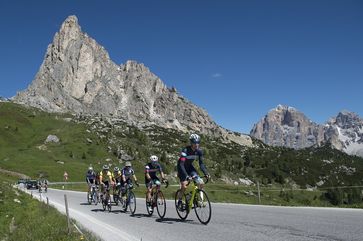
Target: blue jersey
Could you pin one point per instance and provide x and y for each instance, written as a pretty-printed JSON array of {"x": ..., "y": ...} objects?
[{"x": 127, "y": 172}]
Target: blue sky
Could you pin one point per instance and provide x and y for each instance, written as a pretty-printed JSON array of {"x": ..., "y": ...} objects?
[{"x": 236, "y": 59}]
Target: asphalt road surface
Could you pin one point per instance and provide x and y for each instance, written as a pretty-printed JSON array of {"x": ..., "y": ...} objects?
[{"x": 229, "y": 222}]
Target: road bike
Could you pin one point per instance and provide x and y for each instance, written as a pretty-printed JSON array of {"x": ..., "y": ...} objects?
[
  {"x": 128, "y": 199},
  {"x": 92, "y": 196},
  {"x": 157, "y": 200},
  {"x": 196, "y": 199},
  {"x": 106, "y": 198}
]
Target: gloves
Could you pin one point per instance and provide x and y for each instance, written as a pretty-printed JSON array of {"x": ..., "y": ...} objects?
[
  {"x": 207, "y": 176},
  {"x": 137, "y": 184}
]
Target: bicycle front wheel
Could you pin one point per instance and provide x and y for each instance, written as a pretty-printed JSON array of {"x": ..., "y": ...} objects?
[
  {"x": 202, "y": 207},
  {"x": 149, "y": 206},
  {"x": 132, "y": 202},
  {"x": 89, "y": 198},
  {"x": 181, "y": 207},
  {"x": 160, "y": 204}
]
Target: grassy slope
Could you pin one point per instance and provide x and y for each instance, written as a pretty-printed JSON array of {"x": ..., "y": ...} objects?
[
  {"x": 23, "y": 131},
  {"x": 30, "y": 219}
]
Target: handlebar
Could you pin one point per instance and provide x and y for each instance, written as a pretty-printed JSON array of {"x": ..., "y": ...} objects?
[{"x": 194, "y": 177}]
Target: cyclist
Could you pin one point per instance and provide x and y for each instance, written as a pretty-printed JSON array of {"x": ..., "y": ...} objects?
[
  {"x": 185, "y": 167},
  {"x": 151, "y": 177},
  {"x": 90, "y": 178},
  {"x": 127, "y": 173},
  {"x": 105, "y": 181},
  {"x": 117, "y": 178}
]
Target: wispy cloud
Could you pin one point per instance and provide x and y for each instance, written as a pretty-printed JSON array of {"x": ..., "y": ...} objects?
[{"x": 216, "y": 75}]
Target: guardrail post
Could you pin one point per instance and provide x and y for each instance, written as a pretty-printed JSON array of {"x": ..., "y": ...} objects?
[
  {"x": 67, "y": 212},
  {"x": 259, "y": 193}
]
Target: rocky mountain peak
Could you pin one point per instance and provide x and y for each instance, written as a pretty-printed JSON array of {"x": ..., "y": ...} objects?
[
  {"x": 347, "y": 119},
  {"x": 286, "y": 126},
  {"x": 78, "y": 76}
]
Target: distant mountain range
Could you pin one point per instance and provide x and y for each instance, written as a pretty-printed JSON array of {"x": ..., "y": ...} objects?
[{"x": 288, "y": 127}]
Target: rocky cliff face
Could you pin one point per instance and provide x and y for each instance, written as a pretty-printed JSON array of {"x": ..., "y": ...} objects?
[
  {"x": 77, "y": 75},
  {"x": 285, "y": 126},
  {"x": 345, "y": 132}
]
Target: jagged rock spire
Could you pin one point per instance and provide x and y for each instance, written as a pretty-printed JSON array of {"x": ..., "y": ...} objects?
[{"x": 77, "y": 75}]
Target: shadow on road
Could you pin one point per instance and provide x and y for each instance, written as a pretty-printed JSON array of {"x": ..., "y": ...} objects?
[
  {"x": 174, "y": 220},
  {"x": 85, "y": 204},
  {"x": 140, "y": 215}
]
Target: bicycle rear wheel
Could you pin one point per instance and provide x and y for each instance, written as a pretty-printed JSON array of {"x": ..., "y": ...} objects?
[
  {"x": 202, "y": 207},
  {"x": 132, "y": 202},
  {"x": 160, "y": 204},
  {"x": 182, "y": 210}
]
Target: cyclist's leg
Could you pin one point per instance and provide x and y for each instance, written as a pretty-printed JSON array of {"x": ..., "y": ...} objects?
[{"x": 149, "y": 186}]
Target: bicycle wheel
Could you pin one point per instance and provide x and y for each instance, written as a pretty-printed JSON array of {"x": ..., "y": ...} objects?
[
  {"x": 202, "y": 207},
  {"x": 149, "y": 206},
  {"x": 182, "y": 210},
  {"x": 94, "y": 198},
  {"x": 109, "y": 204},
  {"x": 160, "y": 204},
  {"x": 116, "y": 198},
  {"x": 131, "y": 200},
  {"x": 89, "y": 198},
  {"x": 123, "y": 199},
  {"x": 104, "y": 204}
]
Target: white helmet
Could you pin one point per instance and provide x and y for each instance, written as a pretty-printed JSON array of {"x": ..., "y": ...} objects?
[
  {"x": 90, "y": 168},
  {"x": 194, "y": 138},
  {"x": 154, "y": 158},
  {"x": 128, "y": 164}
]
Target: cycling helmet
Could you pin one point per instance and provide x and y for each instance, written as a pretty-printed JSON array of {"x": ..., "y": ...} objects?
[
  {"x": 154, "y": 158},
  {"x": 128, "y": 164},
  {"x": 116, "y": 169},
  {"x": 90, "y": 168},
  {"x": 194, "y": 139},
  {"x": 105, "y": 167}
]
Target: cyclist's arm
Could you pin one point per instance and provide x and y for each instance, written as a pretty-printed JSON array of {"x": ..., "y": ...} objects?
[
  {"x": 182, "y": 160},
  {"x": 147, "y": 175},
  {"x": 134, "y": 177},
  {"x": 201, "y": 164}
]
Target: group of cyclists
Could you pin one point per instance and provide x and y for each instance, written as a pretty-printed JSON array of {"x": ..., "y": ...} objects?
[{"x": 120, "y": 178}]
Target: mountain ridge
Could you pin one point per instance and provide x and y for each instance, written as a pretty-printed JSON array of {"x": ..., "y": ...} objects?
[{"x": 288, "y": 127}]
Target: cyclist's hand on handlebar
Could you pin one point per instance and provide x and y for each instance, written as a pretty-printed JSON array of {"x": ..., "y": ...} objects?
[
  {"x": 137, "y": 183},
  {"x": 207, "y": 176}
]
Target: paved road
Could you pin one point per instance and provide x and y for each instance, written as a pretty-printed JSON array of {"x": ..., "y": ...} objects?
[{"x": 229, "y": 222}]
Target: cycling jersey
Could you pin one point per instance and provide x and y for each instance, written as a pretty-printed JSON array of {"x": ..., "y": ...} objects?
[
  {"x": 90, "y": 176},
  {"x": 127, "y": 172},
  {"x": 185, "y": 162},
  {"x": 117, "y": 176},
  {"x": 108, "y": 175},
  {"x": 152, "y": 171}
]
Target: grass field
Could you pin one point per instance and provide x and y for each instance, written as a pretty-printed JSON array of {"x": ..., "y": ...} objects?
[{"x": 24, "y": 218}]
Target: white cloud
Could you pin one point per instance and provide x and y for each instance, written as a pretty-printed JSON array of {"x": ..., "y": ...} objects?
[{"x": 216, "y": 75}]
